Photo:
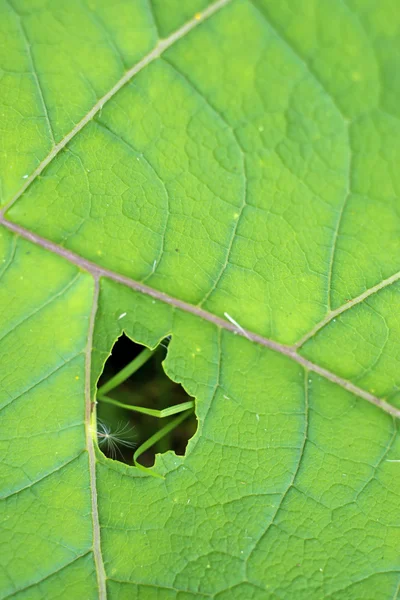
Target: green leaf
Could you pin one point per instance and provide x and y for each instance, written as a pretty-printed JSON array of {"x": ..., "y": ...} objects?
[{"x": 234, "y": 184}]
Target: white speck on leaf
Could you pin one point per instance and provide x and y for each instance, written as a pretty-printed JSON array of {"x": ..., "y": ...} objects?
[
  {"x": 122, "y": 315},
  {"x": 236, "y": 324}
]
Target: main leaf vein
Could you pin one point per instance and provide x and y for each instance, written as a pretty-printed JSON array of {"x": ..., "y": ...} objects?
[{"x": 289, "y": 351}]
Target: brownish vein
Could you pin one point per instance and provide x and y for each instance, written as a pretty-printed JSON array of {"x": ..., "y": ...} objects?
[
  {"x": 98, "y": 558},
  {"x": 341, "y": 309},
  {"x": 157, "y": 51},
  {"x": 289, "y": 351}
]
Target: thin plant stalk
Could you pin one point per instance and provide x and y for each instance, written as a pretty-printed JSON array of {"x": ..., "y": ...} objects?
[
  {"x": 156, "y": 438},
  {"x": 152, "y": 412},
  {"x": 126, "y": 372}
]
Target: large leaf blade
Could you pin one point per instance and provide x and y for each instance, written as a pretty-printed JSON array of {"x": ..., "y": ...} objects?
[{"x": 290, "y": 478}]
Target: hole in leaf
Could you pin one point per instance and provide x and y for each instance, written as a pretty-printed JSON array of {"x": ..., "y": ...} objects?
[{"x": 140, "y": 411}]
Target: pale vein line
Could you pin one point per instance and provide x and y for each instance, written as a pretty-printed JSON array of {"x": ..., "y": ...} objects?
[
  {"x": 289, "y": 351},
  {"x": 396, "y": 593},
  {"x": 296, "y": 471},
  {"x": 243, "y": 203},
  {"x": 44, "y": 378},
  {"x": 300, "y": 57},
  {"x": 38, "y": 309},
  {"x": 159, "y": 587},
  {"x": 37, "y": 583},
  {"x": 157, "y": 51},
  {"x": 351, "y": 584},
  {"x": 98, "y": 558},
  {"x": 339, "y": 222},
  {"x": 9, "y": 261},
  {"x": 99, "y": 22},
  {"x": 153, "y": 17},
  {"x": 34, "y": 72},
  {"x": 119, "y": 137},
  {"x": 341, "y": 309},
  {"x": 281, "y": 35},
  {"x": 45, "y": 476},
  {"x": 376, "y": 467}
]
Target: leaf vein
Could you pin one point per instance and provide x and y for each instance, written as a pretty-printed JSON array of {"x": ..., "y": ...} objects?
[
  {"x": 39, "y": 581},
  {"x": 296, "y": 471},
  {"x": 90, "y": 427},
  {"x": 37, "y": 310},
  {"x": 47, "y": 376},
  {"x": 33, "y": 70},
  {"x": 45, "y": 476},
  {"x": 243, "y": 204},
  {"x": 160, "y": 47},
  {"x": 289, "y": 351}
]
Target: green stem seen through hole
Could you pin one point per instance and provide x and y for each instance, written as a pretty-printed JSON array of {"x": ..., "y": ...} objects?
[
  {"x": 183, "y": 410},
  {"x": 152, "y": 412},
  {"x": 155, "y": 438},
  {"x": 126, "y": 372},
  {"x": 186, "y": 408}
]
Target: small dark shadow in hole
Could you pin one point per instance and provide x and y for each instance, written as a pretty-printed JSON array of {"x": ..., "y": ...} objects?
[{"x": 121, "y": 431}]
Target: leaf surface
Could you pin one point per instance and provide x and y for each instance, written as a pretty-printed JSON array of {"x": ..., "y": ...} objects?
[{"x": 225, "y": 173}]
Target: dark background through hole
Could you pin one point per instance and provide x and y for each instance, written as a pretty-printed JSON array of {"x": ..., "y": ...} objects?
[{"x": 149, "y": 387}]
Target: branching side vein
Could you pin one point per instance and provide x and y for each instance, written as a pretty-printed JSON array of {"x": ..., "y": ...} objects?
[
  {"x": 157, "y": 51},
  {"x": 289, "y": 351}
]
